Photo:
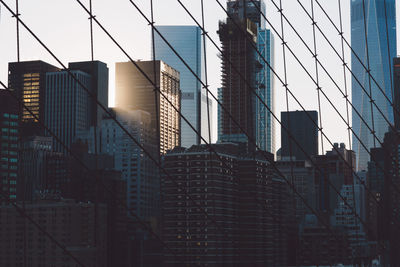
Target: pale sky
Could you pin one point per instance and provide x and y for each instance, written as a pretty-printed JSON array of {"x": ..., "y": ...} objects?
[{"x": 64, "y": 26}]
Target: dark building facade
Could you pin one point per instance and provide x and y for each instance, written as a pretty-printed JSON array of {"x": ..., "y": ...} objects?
[
  {"x": 28, "y": 80},
  {"x": 322, "y": 246},
  {"x": 99, "y": 87},
  {"x": 135, "y": 92},
  {"x": 98, "y": 183},
  {"x": 334, "y": 169},
  {"x": 243, "y": 197},
  {"x": 9, "y": 148},
  {"x": 391, "y": 197},
  {"x": 304, "y": 130},
  {"x": 34, "y": 152},
  {"x": 301, "y": 174},
  {"x": 67, "y": 106},
  {"x": 376, "y": 179},
  {"x": 69, "y": 222},
  {"x": 396, "y": 87}
]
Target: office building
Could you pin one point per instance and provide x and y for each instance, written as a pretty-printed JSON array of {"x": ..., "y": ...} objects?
[
  {"x": 99, "y": 87},
  {"x": 188, "y": 42},
  {"x": 67, "y": 106},
  {"x": 303, "y": 128},
  {"x": 204, "y": 117},
  {"x": 8, "y": 146},
  {"x": 396, "y": 93},
  {"x": 301, "y": 173},
  {"x": 381, "y": 34},
  {"x": 32, "y": 166},
  {"x": 320, "y": 246},
  {"x": 28, "y": 80},
  {"x": 65, "y": 220},
  {"x": 333, "y": 170},
  {"x": 344, "y": 216},
  {"x": 265, "y": 123},
  {"x": 375, "y": 183},
  {"x": 137, "y": 168},
  {"x": 391, "y": 197},
  {"x": 230, "y": 186},
  {"x": 135, "y": 92},
  {"x": 138, "y": 171}
]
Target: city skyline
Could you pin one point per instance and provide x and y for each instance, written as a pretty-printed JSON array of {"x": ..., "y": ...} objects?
[
  {"x": 99, "y": 145},
  {"x": 105, "y": 51}
]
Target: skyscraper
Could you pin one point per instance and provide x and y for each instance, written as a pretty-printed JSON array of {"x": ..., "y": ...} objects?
[
  {"x": 396, "y": 88},
  {"x": 265, "y": 123},
  {"x": 138, "y": 170},
  {"x": 204, "y": 116},
  {"x": 8, "y": 146},
  {"x": 28, "y": 80},
  {"x": 381, "y": 22},
  {"x": 187, "y": 41},
  {"x": 304, "y": 130},
  {"x": 134, "y": 92},
  {"x": 67, "y": 106},
  {"x": 99, "y": 72},
  {"x": 237, "y": 93}
]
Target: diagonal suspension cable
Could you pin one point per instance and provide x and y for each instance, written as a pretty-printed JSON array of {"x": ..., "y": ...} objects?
[
  {"x": 349, "y": 127},
  {"x": 21, "y": 210},
  {"x": 213, "y": 97},
  {"x": 356, "y": 56},
  {"x": 179, "y": 112},
  {"x": 334, "y": 148},
  {"x": 58, "y": 140},
  {"x": 106, "y": 110},
  {"x": 256, "y": 95},
  {"x": 345, "y": 95}
]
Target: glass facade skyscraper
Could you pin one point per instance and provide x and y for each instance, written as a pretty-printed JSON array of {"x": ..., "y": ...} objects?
[
  {"x": 265, "y": 123},
  {"x": 187, "y": 41},
  {"x": 67, "y": 106},
  {"x": 380, "y": 62}
]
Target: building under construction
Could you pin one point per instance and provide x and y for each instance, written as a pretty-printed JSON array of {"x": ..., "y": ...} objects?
[{"x": 242, "y": 69}]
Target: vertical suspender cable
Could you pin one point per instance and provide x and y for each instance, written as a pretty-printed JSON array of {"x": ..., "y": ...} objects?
[
  {"x": 25, "y": 189},
  {"x": 347, "y": 115},
  {"x": 288, "y": 115},
  {"x": 157, "y": 111},
  {"x": 17, "y": 22},
  {"x": 368, "y": 67},
  {"x": 317, "y": 75},
  {"x": 94, "y": 112},
  {"x": 203, "y": 34}
]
